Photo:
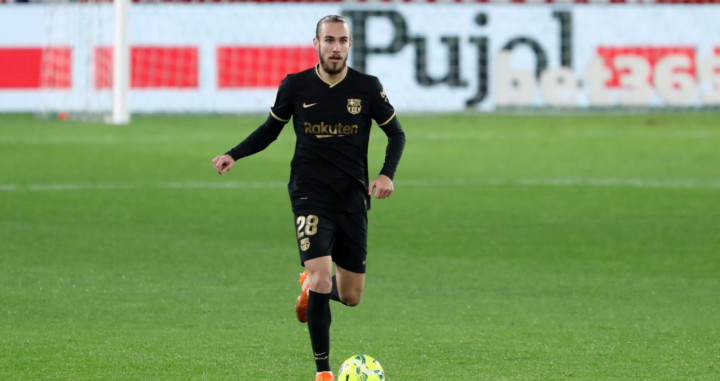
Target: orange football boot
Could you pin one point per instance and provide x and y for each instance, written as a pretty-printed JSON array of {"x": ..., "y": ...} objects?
[
  {"x": 325, "y": 376},
  {"x": 301, "y": 306}
]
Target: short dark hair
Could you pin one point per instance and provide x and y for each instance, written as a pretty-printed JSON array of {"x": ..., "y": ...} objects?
[{"x": 327, "y": 20}]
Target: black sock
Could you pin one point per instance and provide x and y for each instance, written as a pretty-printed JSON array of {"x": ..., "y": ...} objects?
[
  {"x": 334, "y": 294},
  {"x": 318, "y": 321}
]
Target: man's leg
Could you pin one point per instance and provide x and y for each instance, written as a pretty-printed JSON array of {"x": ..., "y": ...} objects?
[
  {"x": 318, "y": 309},
  {"x": 350, "y": 256},
  {"x": 347, "y": 287}
]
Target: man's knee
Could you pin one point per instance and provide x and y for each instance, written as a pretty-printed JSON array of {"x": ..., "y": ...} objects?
[
  {"x": 351, "y": 299},
  {"x": 320, "y": 274},
  {"x": 351, "y": 302},
  {"x": 321, "y": 284}
]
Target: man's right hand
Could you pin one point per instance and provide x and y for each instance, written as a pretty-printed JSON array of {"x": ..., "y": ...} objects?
[{"x": 223, "y": 163}]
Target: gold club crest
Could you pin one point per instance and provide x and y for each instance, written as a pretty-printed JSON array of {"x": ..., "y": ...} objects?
[
  {"x": 305, "y": 244},
  {"x": 354, "y": 106}
]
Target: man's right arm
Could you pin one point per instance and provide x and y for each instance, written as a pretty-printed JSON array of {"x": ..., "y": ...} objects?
[{"x": 267, "y": 133}]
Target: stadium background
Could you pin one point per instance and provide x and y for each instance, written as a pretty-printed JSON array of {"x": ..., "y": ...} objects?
[{"x": 433, "y": 56}]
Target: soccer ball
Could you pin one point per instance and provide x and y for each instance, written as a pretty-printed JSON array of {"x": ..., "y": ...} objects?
[{"x": 361, "y": 368}]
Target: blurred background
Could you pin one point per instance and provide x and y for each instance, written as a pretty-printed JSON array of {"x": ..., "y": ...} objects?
[{"x": 229, "y": 56}]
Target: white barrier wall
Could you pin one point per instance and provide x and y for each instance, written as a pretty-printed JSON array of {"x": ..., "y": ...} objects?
[{"x": 430, "y": 57}]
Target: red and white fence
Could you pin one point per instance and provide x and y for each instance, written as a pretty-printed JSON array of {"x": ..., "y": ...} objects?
[{"x": 439, "y": 55}]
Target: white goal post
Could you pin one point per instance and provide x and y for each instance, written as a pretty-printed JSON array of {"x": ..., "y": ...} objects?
[
  {"x": 121, "y": 63},
  {"x": 85, "y": 60}
]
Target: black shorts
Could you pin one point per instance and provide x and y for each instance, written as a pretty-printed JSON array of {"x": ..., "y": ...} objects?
[{"x": 340, "y": 235}]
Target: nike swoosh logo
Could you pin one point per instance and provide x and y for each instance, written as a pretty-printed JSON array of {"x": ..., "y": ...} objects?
[{"x": 306, "y": 105}]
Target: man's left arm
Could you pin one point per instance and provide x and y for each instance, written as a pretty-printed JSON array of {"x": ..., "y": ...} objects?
[{"x": 383, "y": 184}]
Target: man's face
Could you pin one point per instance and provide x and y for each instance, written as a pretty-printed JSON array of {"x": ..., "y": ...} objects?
[{"x": 333, "y": 44}]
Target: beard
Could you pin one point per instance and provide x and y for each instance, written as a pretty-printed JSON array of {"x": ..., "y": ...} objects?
[{"x": 331, "y": 68}]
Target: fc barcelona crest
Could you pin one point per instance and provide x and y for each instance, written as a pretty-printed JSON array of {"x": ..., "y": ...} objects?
[
  {"x": 354, "y": 106},
  {"x": 305, "y": 244}
]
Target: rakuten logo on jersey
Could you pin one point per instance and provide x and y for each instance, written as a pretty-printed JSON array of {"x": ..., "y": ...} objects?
[{"x": 327, "y": 130}]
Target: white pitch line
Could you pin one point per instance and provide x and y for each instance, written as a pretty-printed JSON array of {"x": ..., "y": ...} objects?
[
  {"x": 572, "y": 181},
  {"x": 132, "y": 186},
  {"x": 569, "y": 181}
]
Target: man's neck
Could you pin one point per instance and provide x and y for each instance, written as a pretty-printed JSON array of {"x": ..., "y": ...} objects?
[{"x": 332, "y": 78}]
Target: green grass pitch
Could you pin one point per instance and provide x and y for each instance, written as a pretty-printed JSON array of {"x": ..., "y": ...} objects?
[{"x": 515, "y": 247}]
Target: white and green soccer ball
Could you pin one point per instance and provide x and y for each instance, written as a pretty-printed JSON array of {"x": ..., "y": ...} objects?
[{"x": 361, "y": 368}]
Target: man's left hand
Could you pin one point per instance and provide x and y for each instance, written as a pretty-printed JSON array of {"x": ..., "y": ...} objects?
[{"x": 383, "y": 187}]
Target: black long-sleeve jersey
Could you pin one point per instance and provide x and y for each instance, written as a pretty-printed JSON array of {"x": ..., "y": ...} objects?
[{"x": 332, "y": 124}]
